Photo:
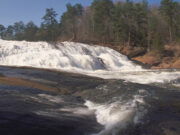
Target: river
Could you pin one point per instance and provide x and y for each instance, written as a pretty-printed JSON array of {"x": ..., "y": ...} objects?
[
  {"x": 78, "y": 89},
  {"x": 39, "y": 101}
]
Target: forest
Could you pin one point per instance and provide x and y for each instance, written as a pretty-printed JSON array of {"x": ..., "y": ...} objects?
[{"x": 128, "y": 23}]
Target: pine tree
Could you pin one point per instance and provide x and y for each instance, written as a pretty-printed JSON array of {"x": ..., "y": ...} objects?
[
  {"x": 19, "y": 28},
  {"x": 70, "y": 21},
  {"x": 119, "y": 24},
  {"x": 30, "y": 31},
  {"x": 141, "y": 24},
  {"x": 2, "y": 30},
  {"x": 49, "y": 26},
  {"x": 129, "y": 14},
  {"x": 168, "y": 11},
  {"x": 9, "y": 33},
  {"x": 102, "y": 19}
]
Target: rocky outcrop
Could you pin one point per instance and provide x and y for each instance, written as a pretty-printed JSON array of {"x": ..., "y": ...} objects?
[
  {"x": 169, "y": 58},
  {"x": 133, "y": 51}
]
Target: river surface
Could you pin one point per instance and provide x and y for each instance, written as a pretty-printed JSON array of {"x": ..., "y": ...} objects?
[{"x": 39, "y": 101}]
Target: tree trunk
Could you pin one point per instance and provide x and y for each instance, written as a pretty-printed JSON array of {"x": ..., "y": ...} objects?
[
  {"x": 170, "y": 34},
  {"x": 74, "y": 33},
  {"x": 148, "y": 41},
  {"x": 129, "y": 38}
]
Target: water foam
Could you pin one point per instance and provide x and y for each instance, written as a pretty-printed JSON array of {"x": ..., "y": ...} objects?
[
  {"x": 118, "y": 115},
  {"x": 79, "y": 58},
  {"x": 67, "y": 55},
  {"x": 54, "y": 99}
]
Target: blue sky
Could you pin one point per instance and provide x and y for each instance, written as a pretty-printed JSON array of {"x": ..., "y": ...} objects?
[{"x": 32, "y": 10}]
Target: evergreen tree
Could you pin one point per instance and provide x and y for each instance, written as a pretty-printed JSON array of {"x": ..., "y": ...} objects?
[
  {"x": 70, "y": 20},
  {"x": 30, "y": 31},
  {"x": 141, "y": 24},
  {"x": 50, "y": 17},
  {"x": 18, "y": 29},
  {"x": 156, "y": 31},
  {"x": 2, "y": 30},
  {"x": 9, "y": 33},
  {"x": 119, "y": 24},
  {"x": 102, "y": 19},
  {"x": 49, "y": 26},
  {"x": 168, "y": 9},
  {"x": 129, "y": 14},
  {"x": 126, "y": 23}
]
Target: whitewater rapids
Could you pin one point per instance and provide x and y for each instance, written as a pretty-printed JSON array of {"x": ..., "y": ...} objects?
[{"x": 79, "y": 58}]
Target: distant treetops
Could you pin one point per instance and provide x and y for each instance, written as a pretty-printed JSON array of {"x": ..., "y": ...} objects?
[{"x": 121, "y": 23}]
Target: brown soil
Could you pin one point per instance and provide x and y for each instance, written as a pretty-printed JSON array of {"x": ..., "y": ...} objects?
[
  {"x": 169, "y": 58},
  {"x": 149, "y": 58}
]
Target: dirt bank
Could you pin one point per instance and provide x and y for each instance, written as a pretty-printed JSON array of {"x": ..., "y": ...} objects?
[
  {"x": 165, "y": 59},
  {"x": 168, "y": 58}
]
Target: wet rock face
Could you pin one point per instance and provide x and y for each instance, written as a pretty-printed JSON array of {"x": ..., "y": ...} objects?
[
  {"x": 32, "y": 112},
  {"x": 30, "y": 124},
  {"x": 164, "y": 116},
  {"x": 56, "y": 105}
]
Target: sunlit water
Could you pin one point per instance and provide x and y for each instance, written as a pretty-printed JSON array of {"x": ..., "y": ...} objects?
[{"x": 126, "y": 97}]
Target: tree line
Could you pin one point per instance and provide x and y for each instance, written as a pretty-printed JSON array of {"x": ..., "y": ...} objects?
[{"x": 104, "y": 21}]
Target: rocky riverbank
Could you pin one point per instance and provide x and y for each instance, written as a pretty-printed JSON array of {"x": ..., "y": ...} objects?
[{"x": 167, "y": 58}]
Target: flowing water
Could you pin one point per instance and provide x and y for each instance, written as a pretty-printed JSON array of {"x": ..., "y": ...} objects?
[{"x": 70, "y": 99}]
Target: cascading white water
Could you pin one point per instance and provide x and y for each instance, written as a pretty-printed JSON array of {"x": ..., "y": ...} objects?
[
  {"x": 67, "y": 55},
  {"x": 80, "y": 58},
  {"x": 118, "y": 115},
  {"x": 90, "y": 60}
]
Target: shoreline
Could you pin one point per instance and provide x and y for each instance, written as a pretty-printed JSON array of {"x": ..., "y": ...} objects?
[{"x": 169, "y": 58}]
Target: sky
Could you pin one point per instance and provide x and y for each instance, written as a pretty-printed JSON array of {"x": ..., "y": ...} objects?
[{"x": 32, "y": 10}]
